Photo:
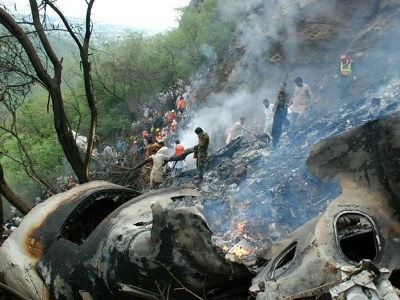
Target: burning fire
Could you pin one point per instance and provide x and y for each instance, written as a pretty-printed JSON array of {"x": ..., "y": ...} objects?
[
  {"x": 241, "y": 248},
  {"x": 239, "y": 251}
]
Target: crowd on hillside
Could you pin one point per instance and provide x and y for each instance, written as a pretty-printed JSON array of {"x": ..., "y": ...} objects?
[
  {"x": 163, "y": 119},
  {"x": 156, "y": 129}
]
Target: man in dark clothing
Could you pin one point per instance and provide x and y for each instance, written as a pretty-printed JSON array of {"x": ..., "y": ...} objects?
[
  {"x": 201, "y": 151},
  {"x": 158, "y": 121},
  {"x": 280, "y": 114}
]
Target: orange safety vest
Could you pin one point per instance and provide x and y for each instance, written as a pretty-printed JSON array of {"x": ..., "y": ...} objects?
[
  {"x": 179, "y": 149},
  {"x": 345, "y": 68}
]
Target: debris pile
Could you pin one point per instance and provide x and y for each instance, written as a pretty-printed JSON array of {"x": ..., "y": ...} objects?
[{"x": 252, "y": 196}]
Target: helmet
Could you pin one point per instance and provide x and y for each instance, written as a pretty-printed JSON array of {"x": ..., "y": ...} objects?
[{"x": 343, "y": 57}]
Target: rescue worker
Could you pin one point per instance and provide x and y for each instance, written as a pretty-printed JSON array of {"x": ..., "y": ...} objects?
[
  {"x": 151, "y": 144},
  {"x": 177, "y": 167},
  {"x": 162, "y": 149},
  {"x": 345, "y": 74},
  {"x": 201, "y": 152}
]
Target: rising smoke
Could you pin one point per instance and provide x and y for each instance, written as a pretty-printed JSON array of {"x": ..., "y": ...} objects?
[{"x": 281, "y": 40}]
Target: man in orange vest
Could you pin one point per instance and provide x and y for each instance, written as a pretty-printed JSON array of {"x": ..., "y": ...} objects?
[
  {"x": 178, "y": 166},
  {"x": 345, "y": 74}
]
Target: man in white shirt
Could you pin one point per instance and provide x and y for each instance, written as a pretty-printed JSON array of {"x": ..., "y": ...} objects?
[{"x": 269, "y": 116}]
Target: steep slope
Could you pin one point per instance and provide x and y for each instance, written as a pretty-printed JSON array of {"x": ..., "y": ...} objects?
[{"x": 280, "y": 40}]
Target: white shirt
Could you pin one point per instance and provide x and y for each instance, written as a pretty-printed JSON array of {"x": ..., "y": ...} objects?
[{"x": 269, "y": 117}]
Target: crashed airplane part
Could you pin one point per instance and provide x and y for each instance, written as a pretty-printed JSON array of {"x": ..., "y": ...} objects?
[
  {"x": 99, "y": 240},
  {"x": 140, "y": 250},
  {"x": 352, "y": 250}
]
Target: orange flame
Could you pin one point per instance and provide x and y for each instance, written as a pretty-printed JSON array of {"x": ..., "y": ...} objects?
[{"x": 239, "y": 251}]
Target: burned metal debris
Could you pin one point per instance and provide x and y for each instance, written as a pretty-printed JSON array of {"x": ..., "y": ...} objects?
[
  {"x": 102, "y": 240},
  {"x": 360, "y": 225},
  {"x": 235, "y": 234}
]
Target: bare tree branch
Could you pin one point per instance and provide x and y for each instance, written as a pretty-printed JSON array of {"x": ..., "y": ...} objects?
[
  {"x": 177, "y": 280},
  {"x": 53, "y": 82}
]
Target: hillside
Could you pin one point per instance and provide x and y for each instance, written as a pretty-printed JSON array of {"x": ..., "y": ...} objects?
[
  {"x": 315, "y": 218},
  {"x": 280, "y": 40}
]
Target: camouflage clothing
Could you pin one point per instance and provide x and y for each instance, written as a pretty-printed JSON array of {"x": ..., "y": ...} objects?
[{"x": 202, "y": 153}]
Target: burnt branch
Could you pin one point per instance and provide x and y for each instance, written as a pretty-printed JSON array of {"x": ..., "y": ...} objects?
[
  {"x": 172, "y": 158},
  {"x": 177, "y": 280}
]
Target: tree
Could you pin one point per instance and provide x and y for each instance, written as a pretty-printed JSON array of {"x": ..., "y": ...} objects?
[
  {"x": 33, "y": 37},
  {"x": 133, "y": 68},
  {"x": 208, "y": 30},
  {"x": 132, "y": 71}
]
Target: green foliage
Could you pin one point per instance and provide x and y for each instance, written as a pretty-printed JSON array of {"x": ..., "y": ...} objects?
[
  {"x": 110, "y": 123},
  {"x": 137, "y": 67},
  {"x": 207, "y": 30},
  {"x": 39, "y": 136},
  {"x": 36, "y": 131},
  {"x": 128, "y": 71},
  {"x": 134, "y": 69}
]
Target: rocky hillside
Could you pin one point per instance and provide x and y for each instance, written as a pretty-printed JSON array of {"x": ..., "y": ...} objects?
[
  {"x": 274, "y": 192},
  {"x": 280, "y": 40}
]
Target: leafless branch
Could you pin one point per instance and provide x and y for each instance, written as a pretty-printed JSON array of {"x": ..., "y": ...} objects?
[{"x": 177, "y": 280}]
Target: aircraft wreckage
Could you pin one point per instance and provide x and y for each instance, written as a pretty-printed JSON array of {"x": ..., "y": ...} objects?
[
  {"x": 351, "y": 250},
  {"x": 100, "y": 240}
]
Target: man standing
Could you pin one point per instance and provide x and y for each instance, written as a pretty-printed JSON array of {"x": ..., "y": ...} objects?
[
  {"x": 345, "y": 74},
  {"x": 280, "y": 114},
  {"x": 151, "y": 145},
  {"x": 156, "y": 174},
  {"x": 201, "y": 151},
  {"x": 269, "y": 116},
  {"x": 300, "y": 102}
]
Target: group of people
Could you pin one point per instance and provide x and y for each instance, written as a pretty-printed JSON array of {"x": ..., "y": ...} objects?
[
  {"x": 155, "y": 125},
  {"x": 159, "y": 155},
  {"x": 299, "y": 105},
  {"x": 290, "y": 112},
  {"x": 276, "y": 116}
]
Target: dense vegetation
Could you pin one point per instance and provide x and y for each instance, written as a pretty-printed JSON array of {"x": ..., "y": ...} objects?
[{"x": 127, "y": 71}]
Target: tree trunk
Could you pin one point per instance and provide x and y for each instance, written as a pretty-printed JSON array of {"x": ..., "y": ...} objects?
[
  {"x": 13, "y": 198},
  {"x": 52, "y": 81},
  {"x": 1, "y": 216},
  {"x": 66, "y": 137}
]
